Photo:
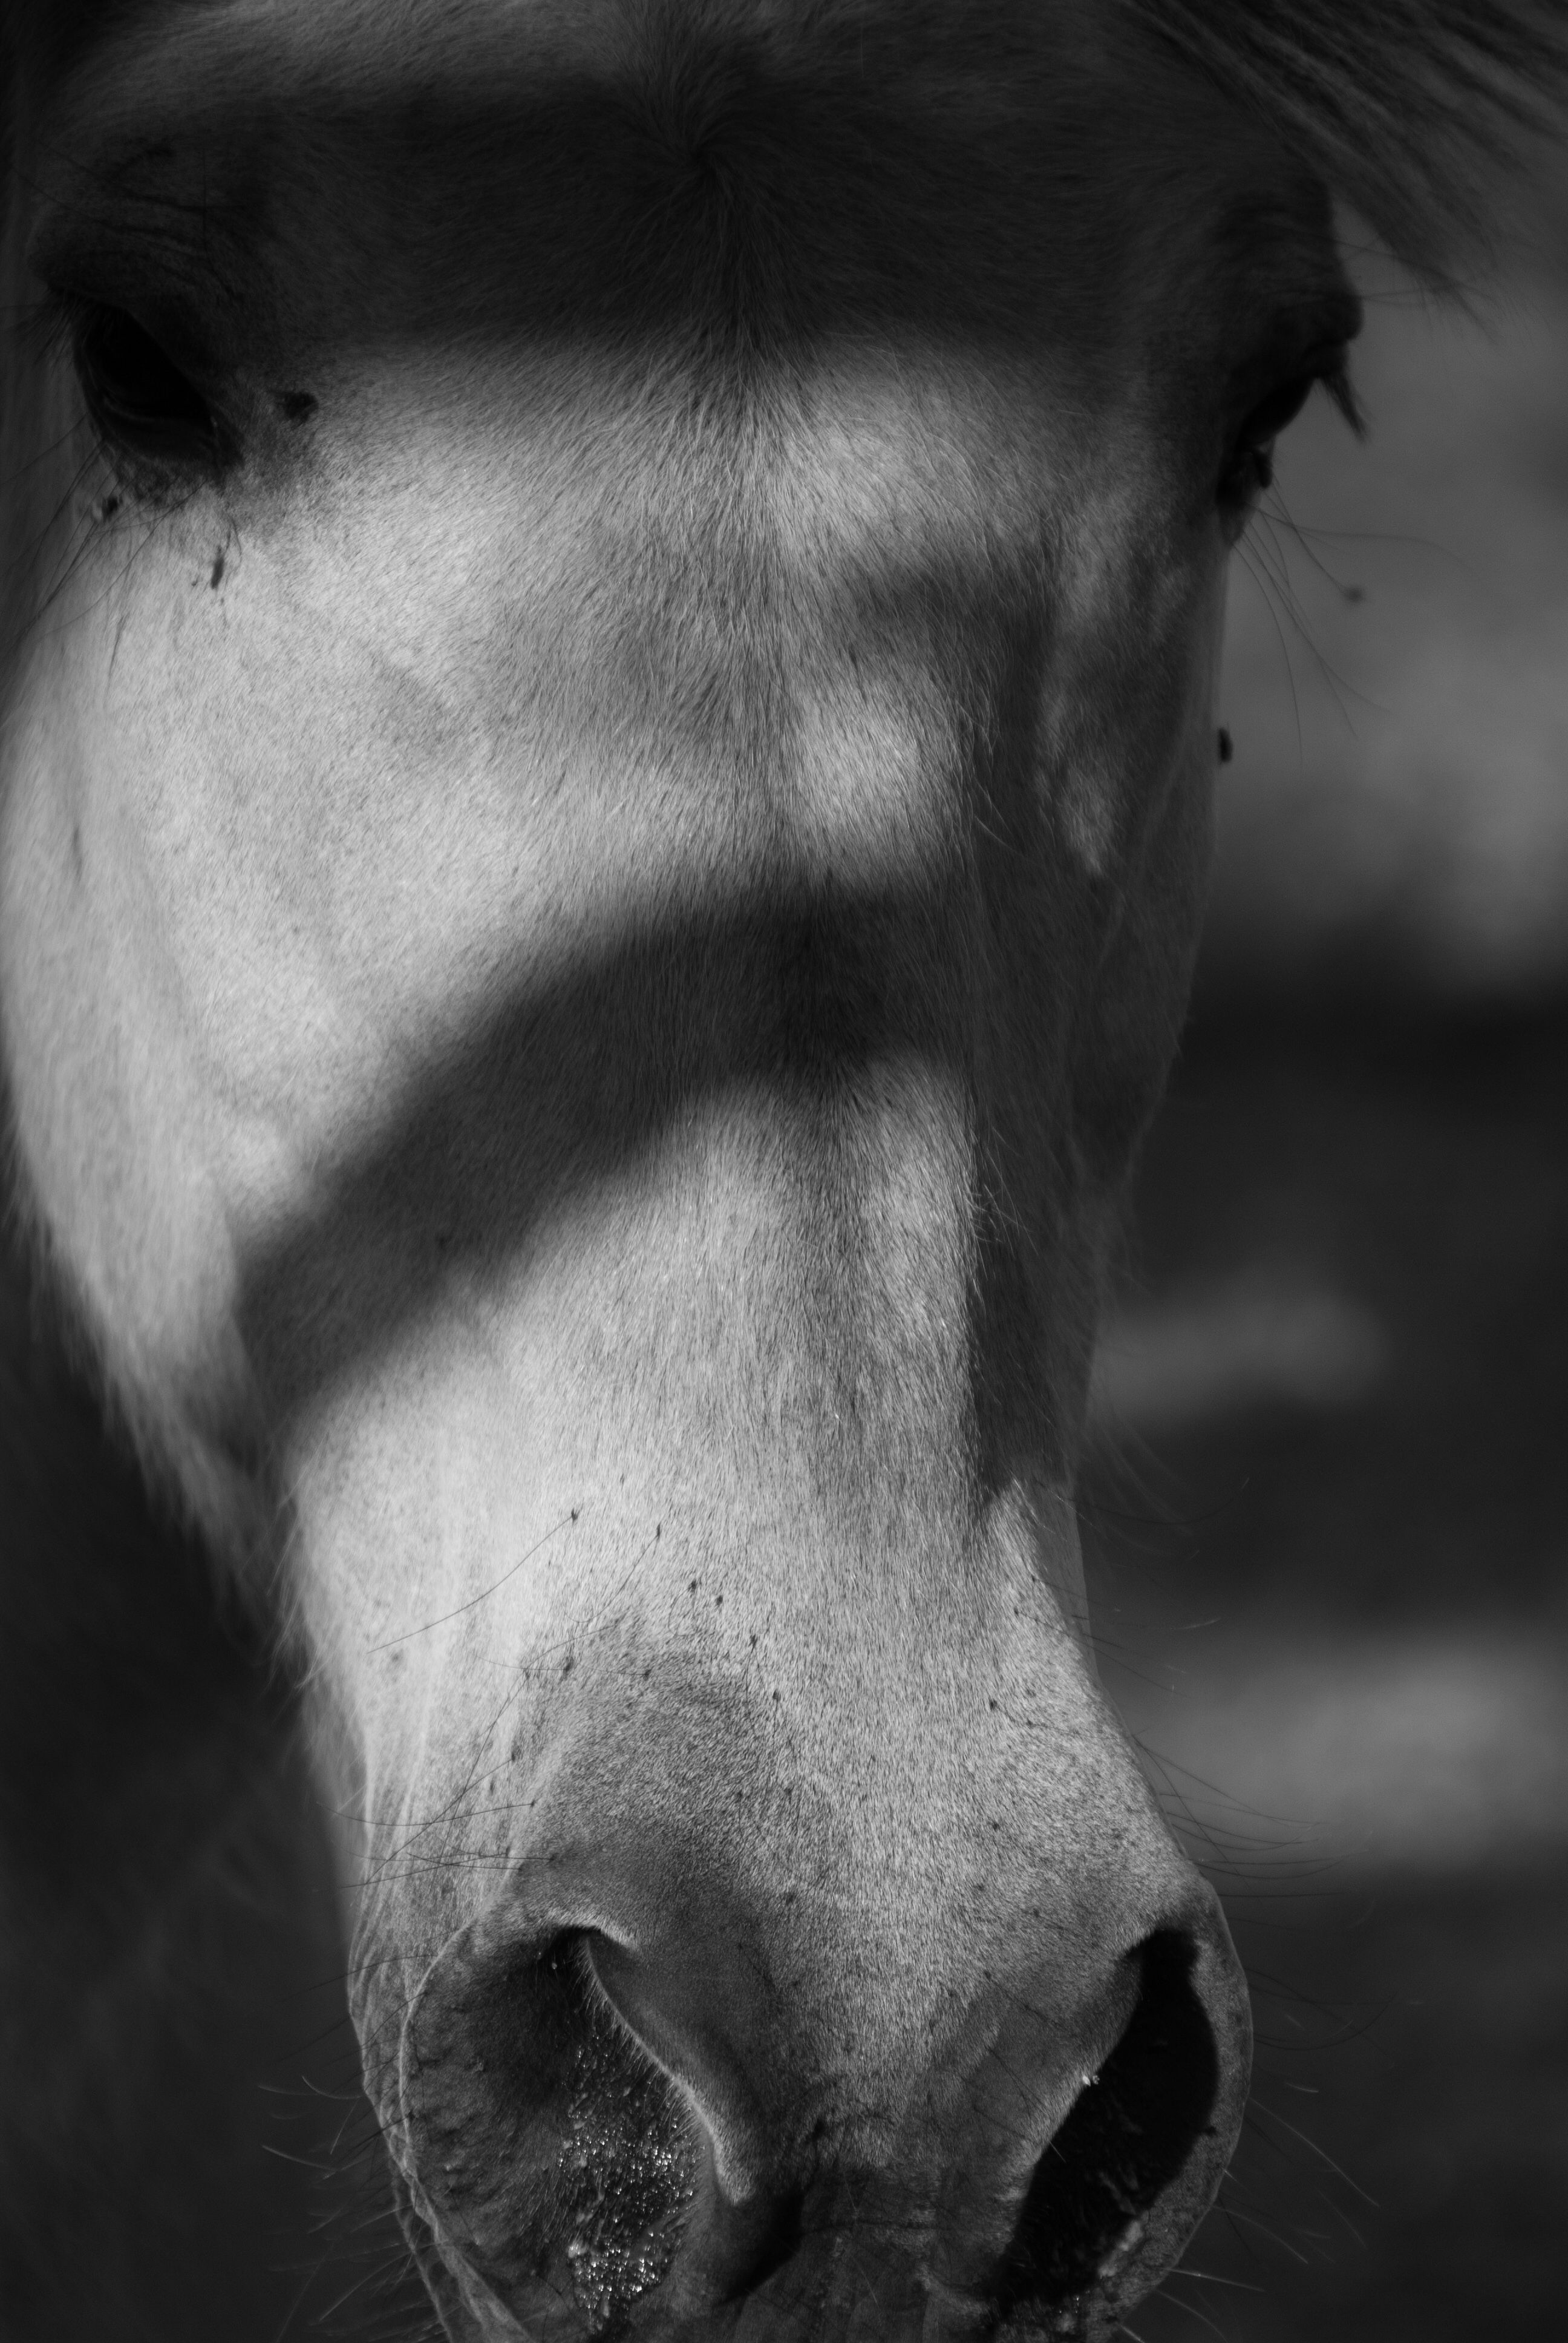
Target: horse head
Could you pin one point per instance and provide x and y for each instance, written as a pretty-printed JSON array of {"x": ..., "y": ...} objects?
[{"x": 607, "y": 778}]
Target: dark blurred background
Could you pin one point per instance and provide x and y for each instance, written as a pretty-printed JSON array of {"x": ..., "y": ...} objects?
[
  {"x": 1326, "y": 1509},
  {"x": 1327, "y": 1512}
]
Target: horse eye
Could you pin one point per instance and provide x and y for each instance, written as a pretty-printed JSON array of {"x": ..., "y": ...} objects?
[
  {"x": 1249, "y": 467},
  {"x": 143, "y": 407}
]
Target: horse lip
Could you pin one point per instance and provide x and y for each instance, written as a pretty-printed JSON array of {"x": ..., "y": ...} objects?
[
  {"x": 450, "y": 2297},
  {"x": 935, "y": 2310}
]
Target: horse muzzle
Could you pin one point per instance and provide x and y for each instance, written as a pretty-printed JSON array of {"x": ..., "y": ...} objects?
[{"x": 617, "y": 2134}]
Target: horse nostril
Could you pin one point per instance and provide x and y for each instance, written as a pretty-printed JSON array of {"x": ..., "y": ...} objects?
[
  {"x": 543, "y": 2138},
  {"x": 1129, "y": 2136}
]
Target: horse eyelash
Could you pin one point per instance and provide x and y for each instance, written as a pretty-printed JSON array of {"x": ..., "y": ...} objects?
[
  {"x": 46, "y": 331},
  {"x": 44, "y": 324},
  {"x": 1336, "y": 380}
]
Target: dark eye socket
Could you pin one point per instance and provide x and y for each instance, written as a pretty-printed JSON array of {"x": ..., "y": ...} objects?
[
  {"x": 143, "y": 407},
  {"x": 1248, "y": 465}
]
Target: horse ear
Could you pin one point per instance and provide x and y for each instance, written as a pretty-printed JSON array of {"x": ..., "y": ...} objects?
[{"x": 1417, "y": 117}]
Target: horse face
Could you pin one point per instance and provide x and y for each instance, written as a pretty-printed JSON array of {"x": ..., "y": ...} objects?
[{"x": 603, "y": 843}]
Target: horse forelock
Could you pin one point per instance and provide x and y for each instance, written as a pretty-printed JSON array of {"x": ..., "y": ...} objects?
[
  {"x": 1404, "y": 109},
  {"x": 1411, "y": 112}
]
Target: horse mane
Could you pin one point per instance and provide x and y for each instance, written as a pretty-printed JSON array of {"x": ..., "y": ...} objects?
[{"x": 1413, "y": 112}]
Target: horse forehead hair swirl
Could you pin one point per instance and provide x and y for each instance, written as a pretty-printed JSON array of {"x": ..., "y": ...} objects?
[{"x": 607, "y": 750}]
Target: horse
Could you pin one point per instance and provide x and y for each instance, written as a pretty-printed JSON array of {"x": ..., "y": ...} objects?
[{"x": 610, "y": 632}]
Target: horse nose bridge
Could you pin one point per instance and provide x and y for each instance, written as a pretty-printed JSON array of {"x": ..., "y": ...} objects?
[
  {"x": 908, "y": 1808},
  {"x": 903, "y": 1798},
  {"x": 833, "y": 1919}
]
